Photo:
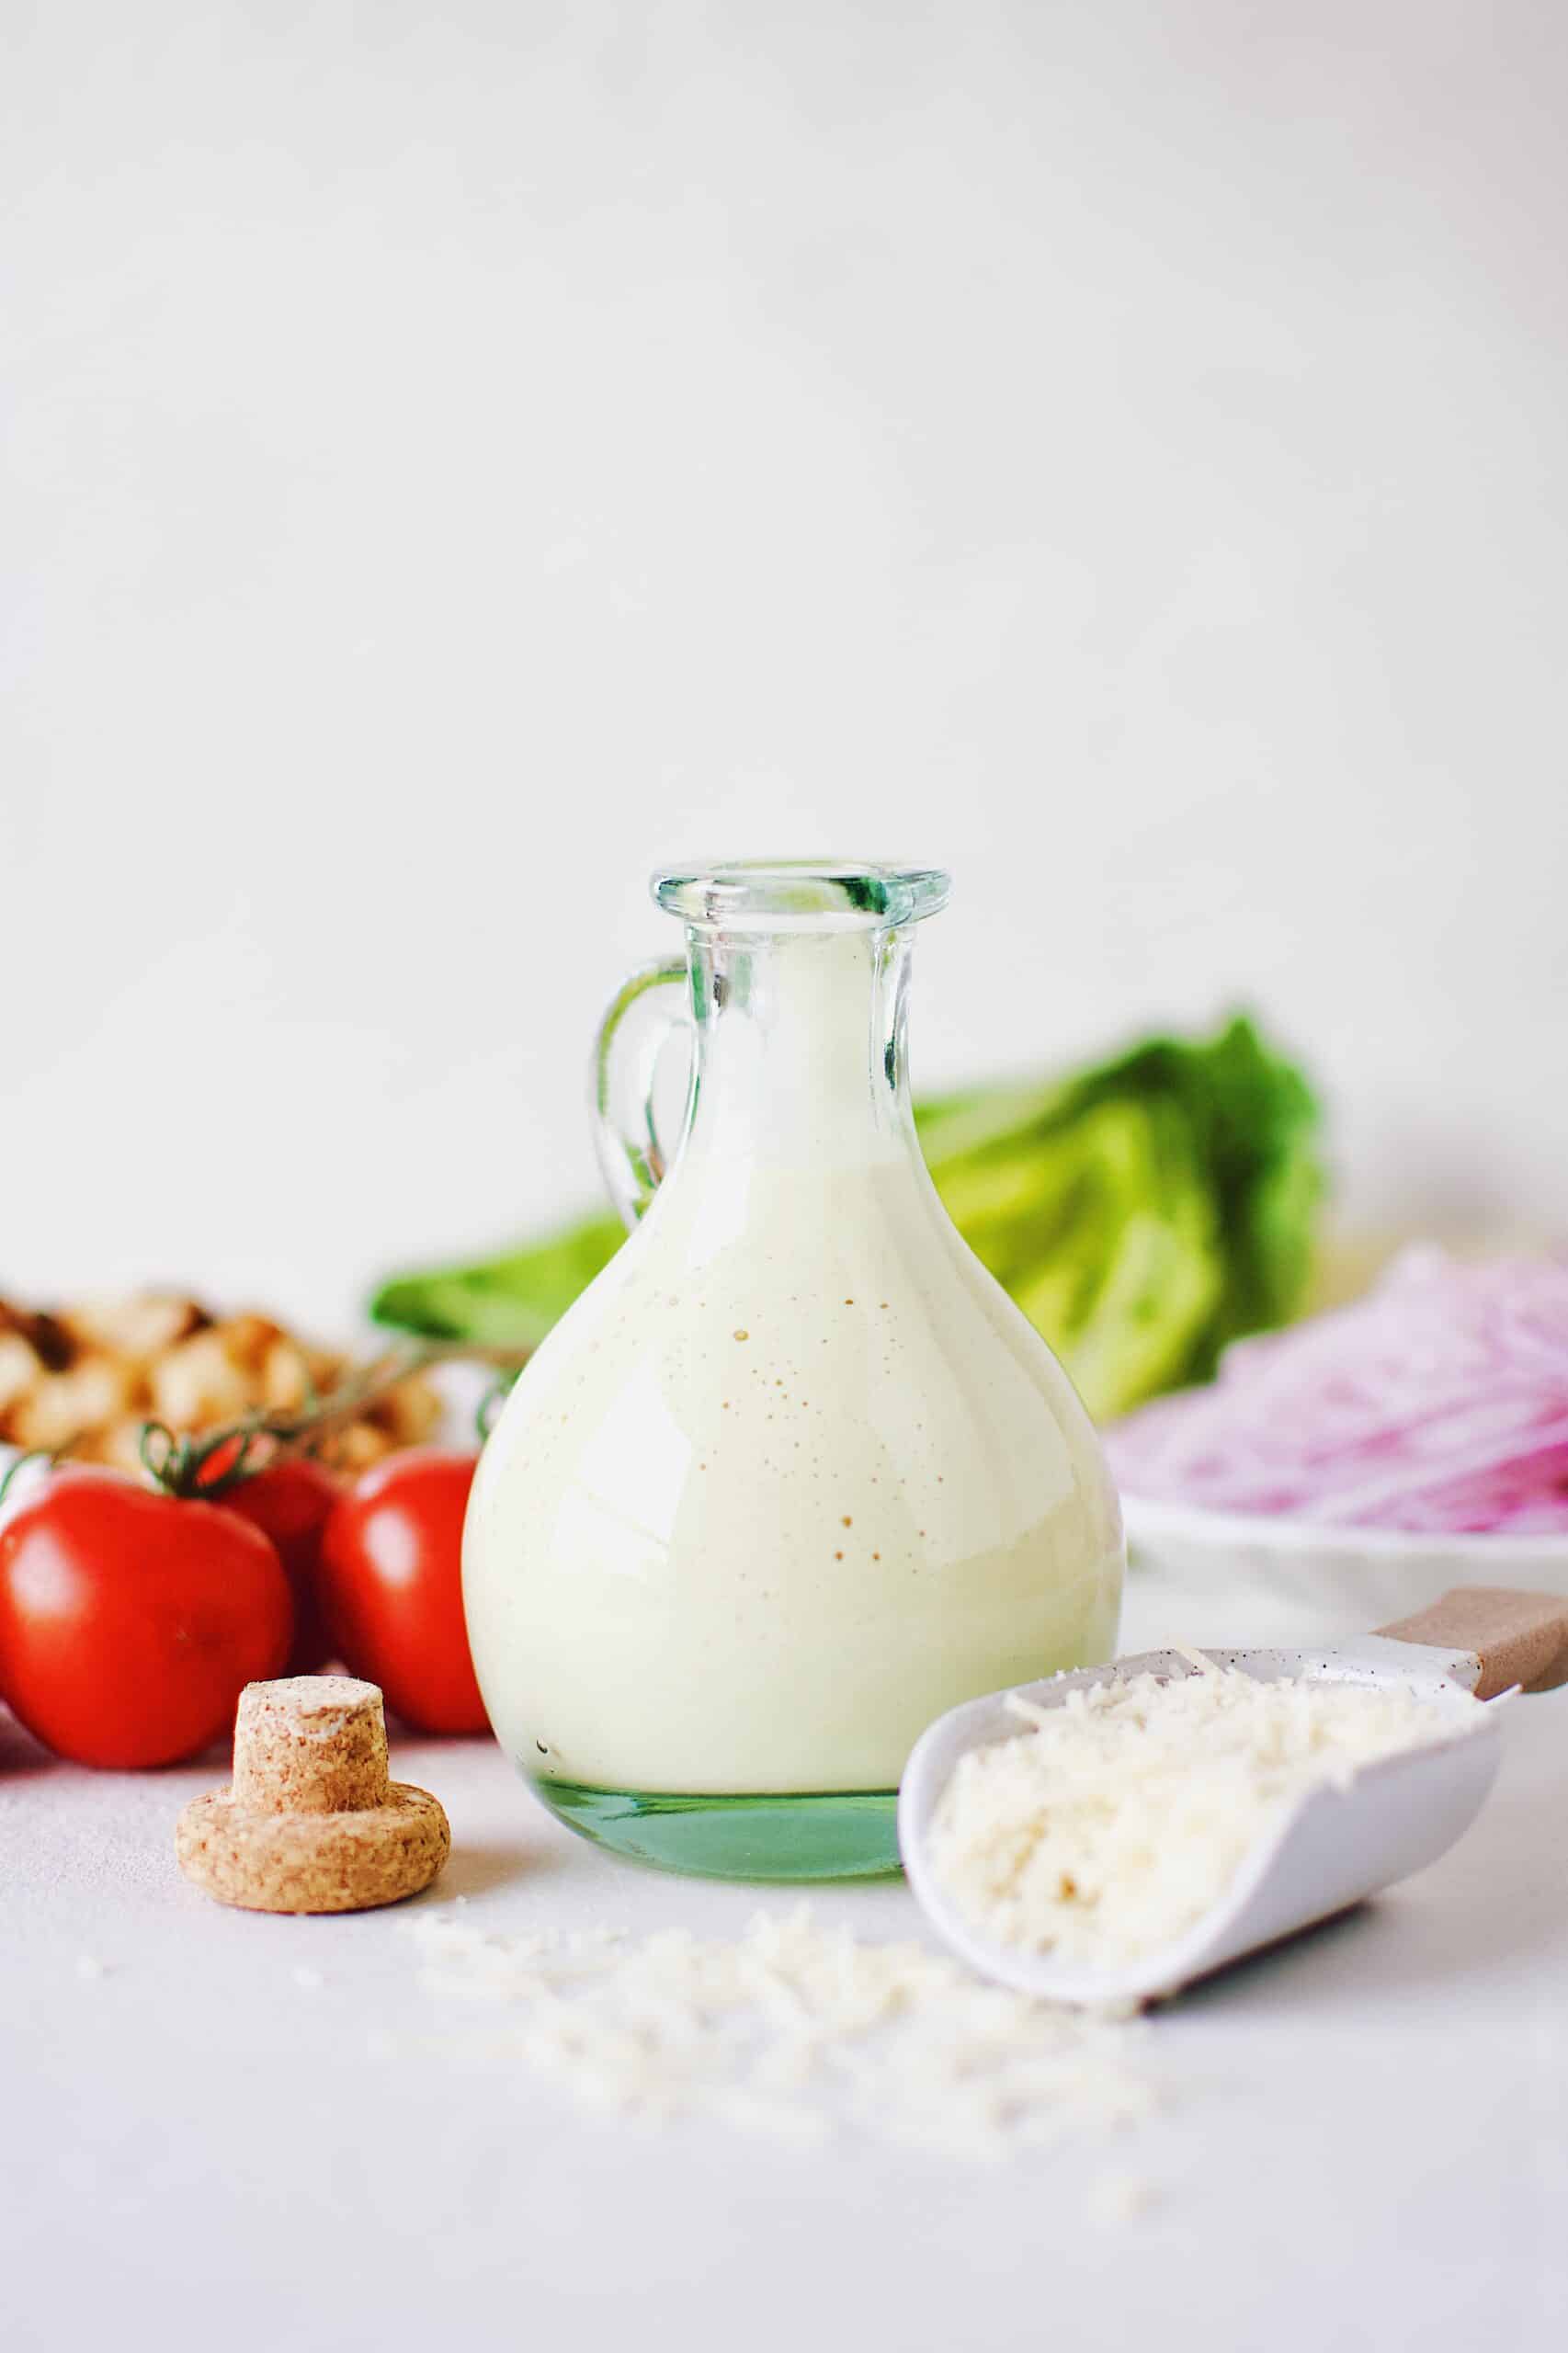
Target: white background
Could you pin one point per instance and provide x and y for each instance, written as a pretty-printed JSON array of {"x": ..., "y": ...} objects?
[{"x": 460, "y": 456}]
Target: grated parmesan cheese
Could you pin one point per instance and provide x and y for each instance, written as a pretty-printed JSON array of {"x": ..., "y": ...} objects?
[
  {"x": 795, "y": 2029},
  {"x": 1117, "y": 2198},
  {"x": 1110, "y": 1827}
]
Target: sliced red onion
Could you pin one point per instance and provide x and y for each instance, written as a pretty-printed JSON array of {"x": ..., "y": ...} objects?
[{"x": 1439, "y": 1403}]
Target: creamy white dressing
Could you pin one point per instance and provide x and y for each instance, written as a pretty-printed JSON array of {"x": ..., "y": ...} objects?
[{"x": 790, "y": 1479}]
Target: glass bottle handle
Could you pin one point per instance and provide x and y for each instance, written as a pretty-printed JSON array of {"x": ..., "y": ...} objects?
[{"x": 641, "y": 1020}]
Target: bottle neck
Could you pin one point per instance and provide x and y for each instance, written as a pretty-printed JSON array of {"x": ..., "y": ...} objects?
[{"x": 801, "y": 1059}]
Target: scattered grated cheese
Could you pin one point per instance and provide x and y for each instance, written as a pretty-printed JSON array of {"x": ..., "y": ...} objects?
[
  {"x": 1110, "y": 1827},
  {"x": 1117, "y": 2198},
  {"x": 795, "y": 2029}
]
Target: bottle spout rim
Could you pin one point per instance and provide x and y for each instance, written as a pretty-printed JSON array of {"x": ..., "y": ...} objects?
[{"x": 801, "y": 895}]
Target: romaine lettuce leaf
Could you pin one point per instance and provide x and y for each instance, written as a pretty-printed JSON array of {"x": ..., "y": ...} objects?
[{"x": 1141, "y": 1212}]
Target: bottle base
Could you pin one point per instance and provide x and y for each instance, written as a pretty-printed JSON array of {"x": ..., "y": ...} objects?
[{"x": 819, "y": 1834}]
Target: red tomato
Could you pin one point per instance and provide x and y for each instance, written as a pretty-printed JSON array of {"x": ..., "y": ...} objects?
[
  {"x": 290, "y": 1502},
  {"x": 392, "y": 1587},
  {"x": 130, "y": 1622}
]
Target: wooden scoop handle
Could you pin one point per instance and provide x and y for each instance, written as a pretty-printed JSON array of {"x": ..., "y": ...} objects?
[{"x": 1518, "y": 1637}]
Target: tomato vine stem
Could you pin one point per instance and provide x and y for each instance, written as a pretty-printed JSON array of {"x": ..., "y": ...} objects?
[
  {"x": 19, "y": 1462},
  {"x": 193, "y": 1464}
]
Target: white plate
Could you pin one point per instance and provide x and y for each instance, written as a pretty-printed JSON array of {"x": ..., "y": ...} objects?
[{"x": 1255, "y": 1576}]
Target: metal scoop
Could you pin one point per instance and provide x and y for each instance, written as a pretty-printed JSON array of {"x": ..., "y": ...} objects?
[{"x": 1332, "y": 1847}]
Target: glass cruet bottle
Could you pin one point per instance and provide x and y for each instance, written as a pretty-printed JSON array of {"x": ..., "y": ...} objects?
[{"x": 793, "y": 1475}]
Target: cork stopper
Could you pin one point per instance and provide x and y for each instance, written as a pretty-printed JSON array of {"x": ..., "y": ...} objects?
[
  {"x": 310, "y": 1744},
  {"x": 312, "y": 1823}
]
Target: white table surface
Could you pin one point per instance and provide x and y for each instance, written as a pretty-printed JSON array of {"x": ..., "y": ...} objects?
[{"x": 1365, "y": 2140}]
